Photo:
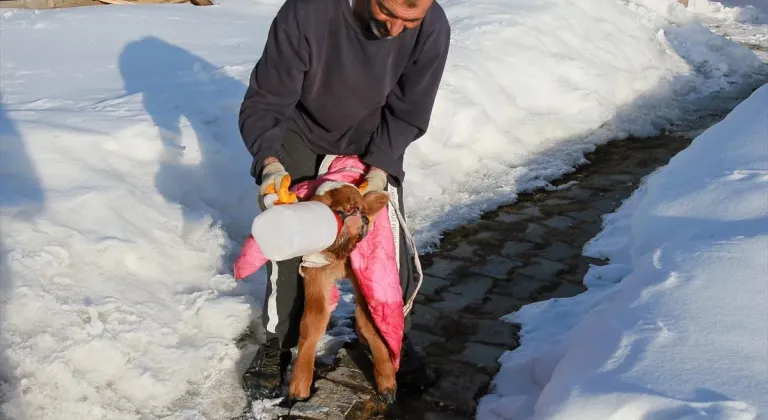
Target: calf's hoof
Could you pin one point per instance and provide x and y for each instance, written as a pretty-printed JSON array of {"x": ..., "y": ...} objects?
[
  {"x": 293, "y": 399},
  {"x": 298, "y": 394},
  {"x": 300, "y": 390},
  {"x": 388, "y": 397}
]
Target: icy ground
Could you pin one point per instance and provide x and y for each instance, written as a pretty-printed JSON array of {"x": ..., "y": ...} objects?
[{"x": 124, "y": 186}]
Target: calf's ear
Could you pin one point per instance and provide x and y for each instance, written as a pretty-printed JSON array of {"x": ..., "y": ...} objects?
[
  {"x": 325, "y": 199},
  {"x": 374, "y": 201}
]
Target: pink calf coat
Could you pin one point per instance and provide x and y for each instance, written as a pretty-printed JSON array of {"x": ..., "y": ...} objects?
[{"x": 373, "y": 260}]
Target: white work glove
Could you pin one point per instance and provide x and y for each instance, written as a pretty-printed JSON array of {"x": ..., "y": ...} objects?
[
  {"x": 275, "y": 180},
  {"x": 375, "y": 180}
]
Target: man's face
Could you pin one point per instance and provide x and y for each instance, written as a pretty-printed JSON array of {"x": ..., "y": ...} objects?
[{"x": 391, "y": 17}]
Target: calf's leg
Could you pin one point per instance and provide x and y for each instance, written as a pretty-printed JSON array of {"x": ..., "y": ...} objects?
[
  {"x": 383, "y": 368},
  {"x": 314, "y": 321}
]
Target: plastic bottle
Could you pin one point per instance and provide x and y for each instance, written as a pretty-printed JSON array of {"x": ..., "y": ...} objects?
[{"x": 293, "y": 230}]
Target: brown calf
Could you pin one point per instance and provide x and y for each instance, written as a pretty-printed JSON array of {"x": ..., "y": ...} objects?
[{"x": 357, "y": 211}]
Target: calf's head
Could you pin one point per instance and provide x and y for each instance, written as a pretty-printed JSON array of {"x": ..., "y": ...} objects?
[{"x": 357, "y": 213}]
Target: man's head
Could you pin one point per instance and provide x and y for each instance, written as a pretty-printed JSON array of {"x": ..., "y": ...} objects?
[{"x": 391, "y": 17}]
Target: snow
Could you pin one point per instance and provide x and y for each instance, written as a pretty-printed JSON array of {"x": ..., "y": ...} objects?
[
  {"x": 676, "y": 325},
  {"x": 744, "y": 21},
  {"x": 563, "y": 81},
  {"x": 125, "y": 186}
]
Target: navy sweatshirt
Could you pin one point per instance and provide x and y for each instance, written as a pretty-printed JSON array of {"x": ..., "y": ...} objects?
[{"x": 343, "y": 92}]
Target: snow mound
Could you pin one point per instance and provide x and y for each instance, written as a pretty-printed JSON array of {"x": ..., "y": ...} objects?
[
  {"x": 744, "y": 21},
  {"x": 124, "y": 192},
  {"x": 737, "y": 11},
  {"x": 566, "y": 76},
  {"x": 676, "y": 325},
  {"x": 125, "y": 189}
]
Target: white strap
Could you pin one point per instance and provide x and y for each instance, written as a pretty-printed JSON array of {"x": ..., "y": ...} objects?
[
  {"x": 314, "y": 261},
  {"x": 409, "y": 303}
]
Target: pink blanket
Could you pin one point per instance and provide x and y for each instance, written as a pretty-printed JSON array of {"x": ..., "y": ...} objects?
[{"x": 373, "y": 260}]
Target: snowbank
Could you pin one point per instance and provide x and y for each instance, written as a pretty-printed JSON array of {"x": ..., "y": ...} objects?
[
  {"x": 744, "y": 21},
  {"x": 676, "y": 325},
  {"x": 125, "y": 186},
  {"x": 531, "y": 86}
]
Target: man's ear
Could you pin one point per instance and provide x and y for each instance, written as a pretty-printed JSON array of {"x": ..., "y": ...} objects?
[{"x": 375, "y": 201}]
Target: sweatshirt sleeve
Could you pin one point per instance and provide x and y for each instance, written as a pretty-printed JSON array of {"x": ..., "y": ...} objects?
[
  {"x": 274, "y": 88},
  {"x": 405, "y": 115}
]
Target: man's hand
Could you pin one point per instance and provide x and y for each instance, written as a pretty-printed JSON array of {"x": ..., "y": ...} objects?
[
  {"x": 375, "y": 180},
  {"x": 275, "y": 180}
]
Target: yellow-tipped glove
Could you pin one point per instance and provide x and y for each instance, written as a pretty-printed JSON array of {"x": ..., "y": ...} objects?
[
  {"x": 275, "y": 180},
  {"x": 375, "y": 180}
]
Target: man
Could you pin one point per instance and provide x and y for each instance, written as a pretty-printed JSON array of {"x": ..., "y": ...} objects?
[{"x": 339, "y": 77}]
